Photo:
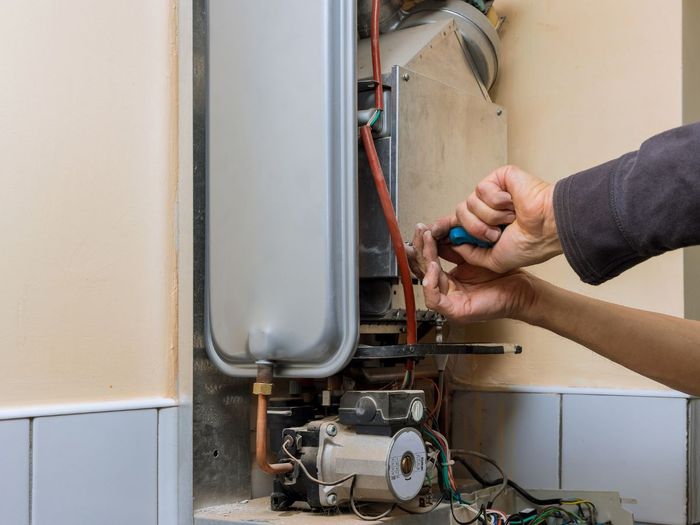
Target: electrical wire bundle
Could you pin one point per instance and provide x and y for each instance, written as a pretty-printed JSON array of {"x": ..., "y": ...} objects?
[
  {"x": 585, "y": 513},
  {"x": 581, "y": 517},
  {"x": 449, "y": 487},
  {"x": 441, "y": 460}
]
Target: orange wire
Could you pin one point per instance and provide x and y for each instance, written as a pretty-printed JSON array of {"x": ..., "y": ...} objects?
[
  {"x": 383, "y": 191},
  {"x": 376, "y": 59}
]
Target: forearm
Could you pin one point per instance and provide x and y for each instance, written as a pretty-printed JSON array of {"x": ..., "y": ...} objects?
[
  {"x": 616, "y": 215},
  {"x": 659, "y": 346}
]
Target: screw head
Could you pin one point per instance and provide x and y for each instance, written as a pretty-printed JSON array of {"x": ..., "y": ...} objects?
[
  {"x": 406, "y": 76},
  {"x": 331, "y": 430},
  {"x": 332, "y": 499},
  {"x": 499, "y": 112}
]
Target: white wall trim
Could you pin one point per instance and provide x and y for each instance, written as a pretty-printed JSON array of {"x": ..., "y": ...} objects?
[
  {"x": 528, "y": 389},
  {"x": 62, "y": 409}
]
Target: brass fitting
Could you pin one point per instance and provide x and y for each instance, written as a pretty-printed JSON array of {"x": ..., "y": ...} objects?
[{"x": 262, "y": 389}]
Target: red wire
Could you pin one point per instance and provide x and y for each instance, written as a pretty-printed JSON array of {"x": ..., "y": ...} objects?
[
  {"x": 376, "y": 61},
  {"x": 395, "y": 233},
  {"x": 383, "y": 191}
]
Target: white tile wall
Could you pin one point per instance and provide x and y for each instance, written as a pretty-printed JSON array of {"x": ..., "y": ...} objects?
[
  {"x": 634, "y": 445},
  {"x": 14, "y": 472},
  {"x": 121, "y": 467},
  {"x": 519, "y": 431},
  {"x": 95, "y": 469},
  {"x": 694, "y": 461},
  {"x": 167, "y": 466}
]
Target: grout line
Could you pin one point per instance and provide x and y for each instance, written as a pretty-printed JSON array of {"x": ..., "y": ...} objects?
[
  {"x": 561, "y": 437},
  {"x": 692, "y": 505},
  {"x": 30, "y": 499},
  {"x": 688, "y": 462},
  {"x": 158, "y": 466}
]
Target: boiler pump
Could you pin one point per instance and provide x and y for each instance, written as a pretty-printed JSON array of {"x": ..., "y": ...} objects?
[{"x": 371, "y": 451}]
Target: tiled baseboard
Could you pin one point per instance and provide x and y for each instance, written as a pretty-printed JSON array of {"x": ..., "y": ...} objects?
[
  {"x": 108, "y": 467},
  {"x": 631, "y": 444}
]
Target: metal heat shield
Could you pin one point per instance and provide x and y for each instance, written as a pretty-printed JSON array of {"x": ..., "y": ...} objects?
[{"x": 440, "y": 141}]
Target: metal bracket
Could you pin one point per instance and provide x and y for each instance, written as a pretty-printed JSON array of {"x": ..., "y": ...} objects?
[{"x": 426, "y": 349}]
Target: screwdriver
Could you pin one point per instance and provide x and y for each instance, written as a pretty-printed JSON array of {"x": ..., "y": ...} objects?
[{"x": 459, "y": 235}]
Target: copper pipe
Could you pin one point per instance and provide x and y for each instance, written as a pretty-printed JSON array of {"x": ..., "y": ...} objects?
[
  {"x": 261, "y": 442},
  {"x": 265, "y": 379}
]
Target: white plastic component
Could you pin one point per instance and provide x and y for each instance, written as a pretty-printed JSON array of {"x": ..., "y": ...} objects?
[{"x": 417, "y": 411}]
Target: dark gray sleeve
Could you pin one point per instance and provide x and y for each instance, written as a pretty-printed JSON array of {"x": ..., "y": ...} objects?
[{"x": 620, "y": 213}]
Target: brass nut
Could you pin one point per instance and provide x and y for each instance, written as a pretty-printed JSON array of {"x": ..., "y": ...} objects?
[{"x": 262, "y": 388}]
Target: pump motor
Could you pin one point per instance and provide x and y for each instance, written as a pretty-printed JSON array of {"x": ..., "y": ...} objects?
[{"x": 374, "y": 444}]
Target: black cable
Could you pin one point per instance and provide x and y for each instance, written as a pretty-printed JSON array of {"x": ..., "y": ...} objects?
[
  {"x": 481, "y": 481},
  {"x": 478, "y": 517},
  {"x": 503, "y": 481}
]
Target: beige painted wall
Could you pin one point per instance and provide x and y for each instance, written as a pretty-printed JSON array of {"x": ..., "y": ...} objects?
[
  {"x": 88, "y": 128},
  {"x": 584, "y": 82}
]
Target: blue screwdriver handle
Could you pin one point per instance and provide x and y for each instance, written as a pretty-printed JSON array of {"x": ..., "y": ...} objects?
[{"x": 459, "y": 235}]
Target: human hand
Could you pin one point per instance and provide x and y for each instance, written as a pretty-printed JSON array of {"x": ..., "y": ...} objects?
[
  {"x": 468, "y": 293},
  {"x": 508, "y": 196}
]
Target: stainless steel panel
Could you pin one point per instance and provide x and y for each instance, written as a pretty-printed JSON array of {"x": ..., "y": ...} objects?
[
  {"x": 281, "y": 209},
  {"x": 442, "y": 142},
  {"x": 447, "y": 142},
  {"x": 221, "y": 444},
  {"x": 376, "y": 254},
  {"x": 220, "y": 419}
]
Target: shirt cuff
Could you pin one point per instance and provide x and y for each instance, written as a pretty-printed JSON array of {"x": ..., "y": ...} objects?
[{"x": 588, "y": 224}]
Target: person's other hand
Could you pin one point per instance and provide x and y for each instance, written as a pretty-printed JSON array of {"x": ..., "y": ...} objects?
[
  {"x": 414, "y": 251},
  {"x": 508, "y": 196},
  {"x": 469, "y": 293}
]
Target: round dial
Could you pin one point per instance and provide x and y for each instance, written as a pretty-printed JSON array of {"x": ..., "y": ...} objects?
[{"x": 406, "y": 464}]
